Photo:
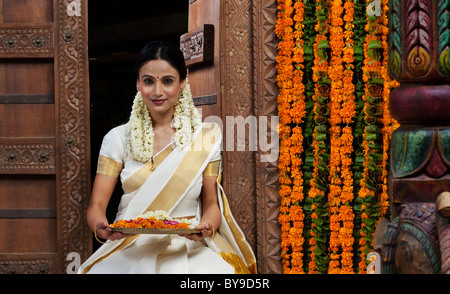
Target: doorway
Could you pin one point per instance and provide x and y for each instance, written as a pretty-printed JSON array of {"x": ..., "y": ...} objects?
[{"x": 117, "y": 32}]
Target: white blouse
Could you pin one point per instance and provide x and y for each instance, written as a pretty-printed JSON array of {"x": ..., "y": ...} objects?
[{"x": 114, "y": 146}]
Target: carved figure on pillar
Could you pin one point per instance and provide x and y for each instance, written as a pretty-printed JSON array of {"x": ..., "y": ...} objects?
[{"x": 416, "y": 240}]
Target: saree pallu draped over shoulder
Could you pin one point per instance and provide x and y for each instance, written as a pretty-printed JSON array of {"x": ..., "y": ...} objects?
[{"x": 161, "y": 185}]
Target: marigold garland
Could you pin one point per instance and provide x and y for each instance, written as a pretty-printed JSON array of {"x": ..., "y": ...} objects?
[
  {"x": 335, "y": 72},
  {"x": 284, "y": 31},
  {"x": 319, "y": 258},
  {"x": 334, "y": 161}
]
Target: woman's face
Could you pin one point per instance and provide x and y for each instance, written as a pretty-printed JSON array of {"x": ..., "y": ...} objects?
[{"x": 159, "y": 84}]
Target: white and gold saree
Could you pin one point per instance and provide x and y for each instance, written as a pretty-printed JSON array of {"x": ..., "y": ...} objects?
[{"x": 171, "y": 181}]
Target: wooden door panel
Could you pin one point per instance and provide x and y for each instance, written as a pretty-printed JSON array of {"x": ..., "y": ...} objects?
[
  {"x": 27, "y": 120},
  {"x": 28, "y": 192},
  {"x": 27, "y": 77},
  {"x": 44, "y": 136},
  {"x": 28, "y": 235},
  {"x": 27, "y": 11}
]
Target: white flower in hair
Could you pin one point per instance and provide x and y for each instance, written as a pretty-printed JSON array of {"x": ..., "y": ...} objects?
[{"x": 140, "y": 140}]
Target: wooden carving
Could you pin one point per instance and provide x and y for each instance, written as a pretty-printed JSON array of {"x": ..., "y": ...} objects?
[
  {"x": 248, "y": 52},
  {"x": 238, "y": 101},
  {"x": 72, "y": 92},
  {"x": 26, "y": 39},
  {"x": 26, "y": 265},
  {"x": 198, "y": 45},
  {"x": 415, "y": 239},
  {"x": 419, "y": 49},
  {"x": 27, "y": 157},
  {"x": 265, "y": 104}
]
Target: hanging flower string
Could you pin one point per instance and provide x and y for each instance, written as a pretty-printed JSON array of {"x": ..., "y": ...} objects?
[
  {"x": 297, "y": 113},
  {"x": 346, "y": 214},
  {"x": 374, "y": 143},
  {"x": 318, "y": 188},
  {"x": 335, "y": 72},
  {"x": 284, "y": 31}
]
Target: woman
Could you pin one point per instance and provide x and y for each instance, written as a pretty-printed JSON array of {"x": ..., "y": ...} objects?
[{"x": 167, "y": 159}]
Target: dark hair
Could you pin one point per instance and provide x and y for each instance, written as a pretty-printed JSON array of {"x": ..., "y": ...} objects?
[{"x": 158, "y": 50}]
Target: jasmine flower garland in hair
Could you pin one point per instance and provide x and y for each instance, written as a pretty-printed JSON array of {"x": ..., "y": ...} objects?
[
  {"x": 140, "y": 140},
  {"x": 186, "y": 118}
]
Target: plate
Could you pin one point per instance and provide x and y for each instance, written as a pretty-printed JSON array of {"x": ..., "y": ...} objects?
[{"x": 155, "y": 231}]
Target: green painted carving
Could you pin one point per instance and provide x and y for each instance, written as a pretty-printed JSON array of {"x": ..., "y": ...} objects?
[
  {"x": 416, "y": 231},
  {"x": 443, "y": 28},
  {"x": 409, "y": 151},
  {"x": 419, "y": 36},
  {"x": 444, "y": 144},
  {"x": 395, "y": 38}
]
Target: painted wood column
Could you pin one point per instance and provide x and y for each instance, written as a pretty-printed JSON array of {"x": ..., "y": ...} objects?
[{"x": 420, "y": 147}]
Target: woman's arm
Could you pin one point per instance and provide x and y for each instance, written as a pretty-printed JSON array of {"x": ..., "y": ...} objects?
[
  {"x": 96, "y": 212},
  {"x": 211, "y": 217}
]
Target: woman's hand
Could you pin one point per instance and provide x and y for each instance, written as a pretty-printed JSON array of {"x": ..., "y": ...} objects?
[
  {"x": 104, "y": 231},
  {"x": 206, "y": 232}
]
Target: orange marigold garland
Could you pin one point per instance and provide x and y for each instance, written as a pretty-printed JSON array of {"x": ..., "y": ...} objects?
[
  {"x": 374, "y": 146},
  {"x": 359, "y": 33},
  {"x": 342, "y": 185},
  {"x": 285, "y": 76},
  {"x": 335, "y": 72},
  {"x": 346, "y": 214},
  {"x": 319, "y": 232},
  {"x": 297, "y": 114}
]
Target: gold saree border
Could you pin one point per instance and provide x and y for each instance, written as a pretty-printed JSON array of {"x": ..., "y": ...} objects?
[
  {"x": 177, "y": 184},
  {"x": 239, "y": 237},
  {"x": 212, "y": 169},
  {"x": 236, "y": 262},
  {"x": 185, "y": 172},
  {"x": 108, "y": 167},
  {"x": 138, "y": 178}
]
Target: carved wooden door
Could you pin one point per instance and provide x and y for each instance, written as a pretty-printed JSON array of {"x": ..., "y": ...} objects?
[{"x": 44, "y": 135}]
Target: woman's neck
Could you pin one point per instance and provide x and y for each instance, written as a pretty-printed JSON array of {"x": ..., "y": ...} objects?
[{"x": 162, "y": 120}]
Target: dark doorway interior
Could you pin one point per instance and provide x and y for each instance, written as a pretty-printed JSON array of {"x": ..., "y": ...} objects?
[{"x": 118, "y": 30}]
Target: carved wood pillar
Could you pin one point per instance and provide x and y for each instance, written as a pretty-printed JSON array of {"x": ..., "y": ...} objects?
[
  {"x": 420, "y": 161},
  {"x": 248, "y": 89}
]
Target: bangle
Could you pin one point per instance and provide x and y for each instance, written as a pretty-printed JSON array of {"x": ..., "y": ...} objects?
[
  {"x": 212, "y": 236},
  {"x": 96, "y": 237},
  {"x": 213, "y": 233}
]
